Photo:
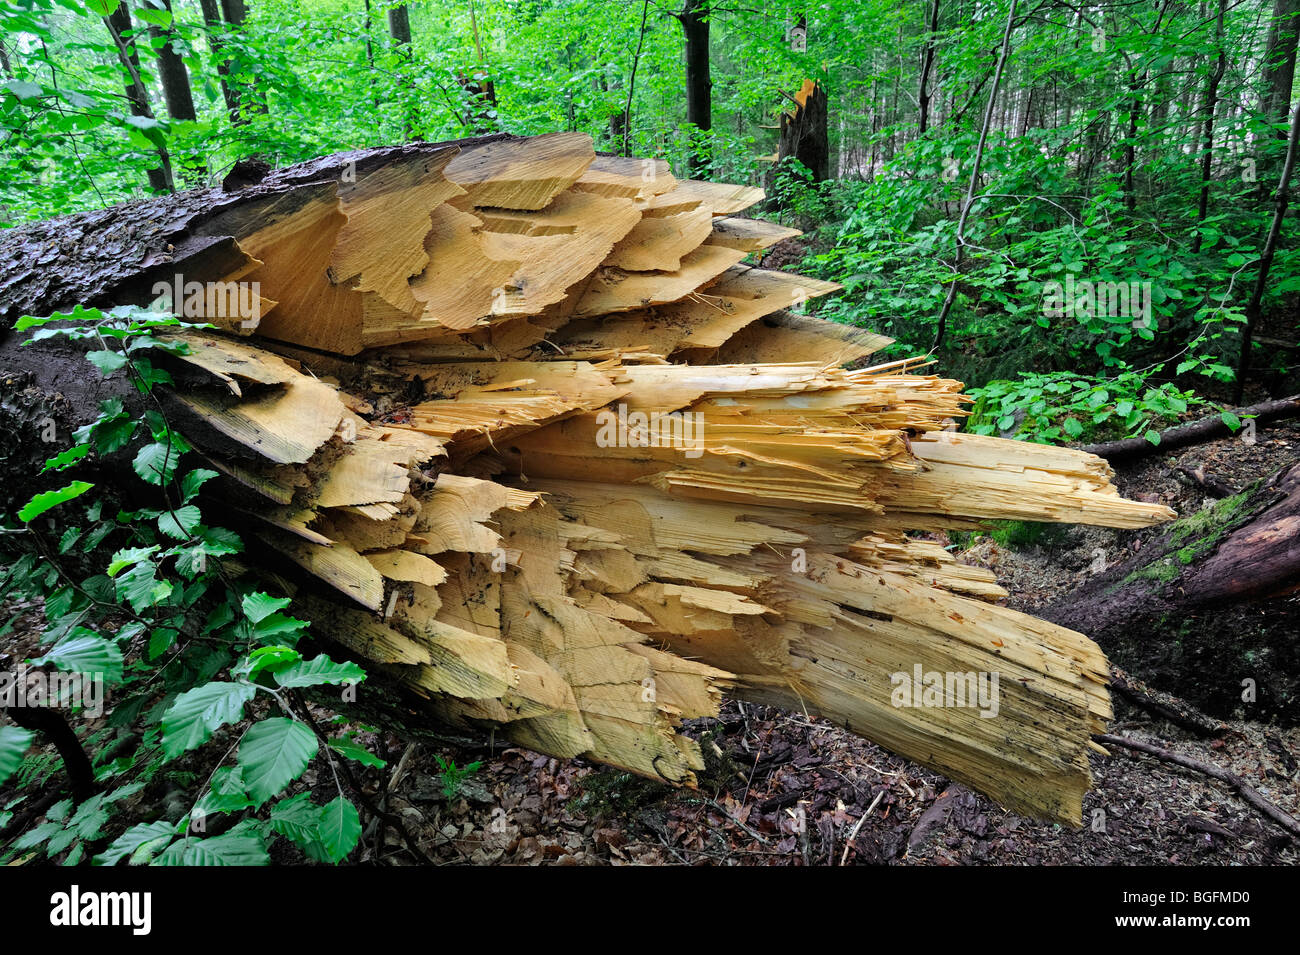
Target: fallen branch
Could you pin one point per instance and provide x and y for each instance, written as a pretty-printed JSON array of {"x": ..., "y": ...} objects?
[
  {"x": 1247, "y": 792},
  {"x": 1194, "y": 432},
  {"x": 1164, "y": 705}
]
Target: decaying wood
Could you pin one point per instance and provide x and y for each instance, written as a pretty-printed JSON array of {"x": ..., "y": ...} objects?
[{"x": 439, "y": 435}]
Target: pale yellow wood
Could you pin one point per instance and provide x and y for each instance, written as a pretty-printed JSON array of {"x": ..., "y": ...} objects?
[{"x": 522, "y": 173}]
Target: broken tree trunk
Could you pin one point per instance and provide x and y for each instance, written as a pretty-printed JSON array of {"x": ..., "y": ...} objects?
[
  {"x": 517, "y": 427},
  {"x": 1224, "y": 582},
  {"x": 804, "y": 131}
]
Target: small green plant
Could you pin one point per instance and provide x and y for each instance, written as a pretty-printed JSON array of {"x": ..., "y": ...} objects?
[
  {"x": 453, "y": 776},
  {"x": 192, "y": 653}
]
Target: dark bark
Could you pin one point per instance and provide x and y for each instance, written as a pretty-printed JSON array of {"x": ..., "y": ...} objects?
[
  {"x": 805, "y": 135},
  {"x": 213, "y": 26},
  {"x": 119, "y": 25},
  {"x": 1194, "y": 432},
  {"x": 1279, "y": 63},
  {"x": 246, "y": 100},
  {"x": 694, "y": 19},
  {"x": 399, "y": 25},
  {"x": 1208, "y": 604},
  {"x": 924, "y": 93},
  {"x": 113, "y": 256},
  {"x": 81, "y": 776},
  {"x": 171, "y": 70}
]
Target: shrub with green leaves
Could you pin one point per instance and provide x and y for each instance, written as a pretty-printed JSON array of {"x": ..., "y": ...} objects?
[{"x": 196, "y": 655}]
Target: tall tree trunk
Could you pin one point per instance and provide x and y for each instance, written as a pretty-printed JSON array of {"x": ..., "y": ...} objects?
[
  {"x": 213, "y": 26},
  {"x": 1207, "y": 134},
  {"x": 694, "y": 19},
  {"x": 399, "y": 27},
  {"x": 236, "y": 12},
  {"x": 924, "y": 94},
  {"x": 119, "y": 23},
  {"x": 171, "y": 70},
  {"x": 1279, "y": 63}
]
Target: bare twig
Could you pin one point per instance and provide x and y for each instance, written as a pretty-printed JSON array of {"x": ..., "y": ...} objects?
[{"x": 1247, "y": 792}]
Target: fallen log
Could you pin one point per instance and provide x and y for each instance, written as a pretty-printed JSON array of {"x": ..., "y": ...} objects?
[
  {"x": 1194, "y": 432},
  {"x": 1223, "y": 581},
  {"x": 515, "y": 426}
]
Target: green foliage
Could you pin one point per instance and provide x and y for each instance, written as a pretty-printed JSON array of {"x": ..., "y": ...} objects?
[
  {"x": 1061, "y": 407},
  {"x": 454, "y": 776},
  {"x": 161, "y": 619}
]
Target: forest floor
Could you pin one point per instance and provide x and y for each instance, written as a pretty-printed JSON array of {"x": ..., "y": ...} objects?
[{"x": 785, "y": 789}]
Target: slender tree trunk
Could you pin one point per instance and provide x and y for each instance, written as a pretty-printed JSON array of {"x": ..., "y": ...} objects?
[
  {"x": 118, "y": 24},
  {"x": 1130, "y": 141},
  {"x": 1279, "y": 63},
  {"x": 631, "y": 86},
  {"x": 4, "y": 61},
  {"x": 694, "y": 19},
  {"x": 924, "y": 94},
  {"x": 1207, "y": 134},
  {"x": 399, "y": 27},
  {"x": 236, "y": 12},
  {"x": 171, "y": 70},
  {"x": 213, "y": 26},
  {"x": 973, "y": 185},
  {"x": 1255, "y": 306}
]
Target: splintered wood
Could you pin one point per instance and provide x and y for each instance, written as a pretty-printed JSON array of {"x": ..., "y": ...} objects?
[{"x": 537, "y": 443}]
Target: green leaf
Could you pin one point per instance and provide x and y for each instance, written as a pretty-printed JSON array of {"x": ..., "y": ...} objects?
[
  {"x": 138, "y": 837},
  {"x": 160, "y": 18},
  {"x": 1153, "y": 436},
  {"x": 107, "y": 361},
  {"x": 352, "y": 751},
  {"x": 141, "y": 588},
  {"x": 240, "y": 846},
  {"x": 161, "y": 639},
  {"x": 42, "y": 502},
  {"x": 191, "y": 483},
  {"x": 156, "y": 463},
  {"x": 273, "y": 754},
  {"x": 14, "y": 741},
  {"x": 319, "y": 670},
  {"x": 226, "y": 794},
  {"x": 66, "y": 458},
  {"x": 191, "y": 720},
  {"x": 87, "y": 653},
  {"x": 1073, "y": 427},
  {"x": 1231, "y": 420},
  {"x": 24, "y": 91},
  {"x": 128, "y": 557},
  {"x": 297, "y": 819},
  {"x": 340, "y": 828},
  {"x": 258, "y": 606},
  {"x": 181, "y": 522}
]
